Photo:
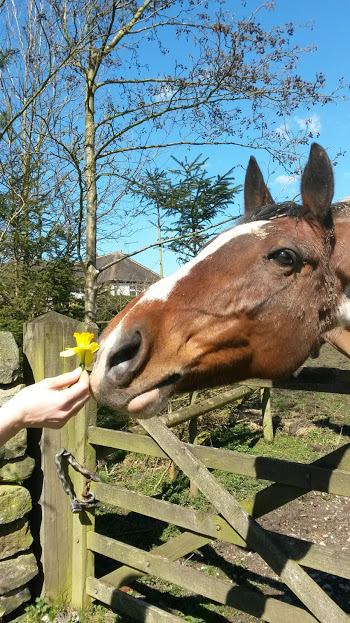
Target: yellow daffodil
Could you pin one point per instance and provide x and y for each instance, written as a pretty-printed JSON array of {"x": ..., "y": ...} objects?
[{"x": 85, "y": 349}]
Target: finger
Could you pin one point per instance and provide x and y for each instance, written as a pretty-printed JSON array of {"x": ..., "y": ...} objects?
[
  {"x": 67, "y": 411},
  {"x": 85, "y": 378},
  {"x": 69, "y": 378},
  {"x": 72, "y": 408},
  {"x": 80, "y": 390},
  {"x": 78, "y": 405}
]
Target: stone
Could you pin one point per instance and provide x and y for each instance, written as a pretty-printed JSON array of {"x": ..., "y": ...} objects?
[
  {"x": 17, "y": 571},
  {"x": 15, "y": 447},
  {"x": 6, "y": 393},
  {"x": 16, "y": 470},
  {"x": 15, "y": 502},
  {"x": 14, "y": 537},
  {"x": 13, "y": 599},
  {"x": 9, "y": 358}
]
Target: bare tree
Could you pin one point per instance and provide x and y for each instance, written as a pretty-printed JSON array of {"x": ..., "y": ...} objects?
[
  {"x": 36, "y": 218},
  {"x": 140, "y": 77}
]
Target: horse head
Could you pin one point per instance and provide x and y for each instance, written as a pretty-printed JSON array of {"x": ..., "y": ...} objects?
[{"x": 253, "y": 303}]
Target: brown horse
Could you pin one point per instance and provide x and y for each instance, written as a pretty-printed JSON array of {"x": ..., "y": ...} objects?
[{"x": 255, "y": 302}]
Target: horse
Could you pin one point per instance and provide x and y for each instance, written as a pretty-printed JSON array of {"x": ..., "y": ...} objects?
[{"x": 254, "y": 303}]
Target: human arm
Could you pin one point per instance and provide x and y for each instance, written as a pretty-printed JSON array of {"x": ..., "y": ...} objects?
[{"x": 43, "y": 405}]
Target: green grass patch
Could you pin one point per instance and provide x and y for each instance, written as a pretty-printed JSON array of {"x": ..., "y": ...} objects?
[{"x": 41, "y": 610}]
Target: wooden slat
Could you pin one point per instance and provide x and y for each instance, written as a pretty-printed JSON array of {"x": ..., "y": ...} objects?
[
  {"x": 330, "y": 560},
  {"x": 327, "y": 559},
  {"x": 327, "y": 380},
  {"x": 179, "y": 546},
  {"x": 205, "y": 406},
  {"x": 200, "y": 408},
  {"x": 124, "y": 441},
  {"x": 220, "y": 591},
  {"x": 200, "y": 522},
  {"x": 127, "y": 604},
  {"x": 311, "y": 595},
  {"x": 306, "y": 476},
  {"x": 277, "y": 495}
]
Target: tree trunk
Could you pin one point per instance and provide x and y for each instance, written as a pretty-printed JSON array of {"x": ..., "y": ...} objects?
[
  {"x": 159, "y": 227},
  {"x": 91, "y": 202}
]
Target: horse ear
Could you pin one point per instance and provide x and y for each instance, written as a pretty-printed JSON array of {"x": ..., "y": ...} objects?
[
  {"x": 317, "y": 185},
  {"x": 256, "y": 193}
]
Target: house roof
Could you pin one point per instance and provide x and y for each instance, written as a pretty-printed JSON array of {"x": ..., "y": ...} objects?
[{"x": 125, "y": 270}]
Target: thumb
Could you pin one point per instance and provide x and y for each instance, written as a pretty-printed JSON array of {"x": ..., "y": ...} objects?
[{"x": 84, "y": 377}]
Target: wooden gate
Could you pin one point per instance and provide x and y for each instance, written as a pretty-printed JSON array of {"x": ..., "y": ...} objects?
[{"x": 234, "y": 522}]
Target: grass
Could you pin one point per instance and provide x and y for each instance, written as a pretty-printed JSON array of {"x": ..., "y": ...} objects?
[{"x": 42, "y": 611}]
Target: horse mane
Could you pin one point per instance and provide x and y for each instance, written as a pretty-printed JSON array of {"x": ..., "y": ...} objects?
[
  {"x": 272, "y": 211},
  {"x": 341, "y": 206},
  {"x": 287, "y": 208}
]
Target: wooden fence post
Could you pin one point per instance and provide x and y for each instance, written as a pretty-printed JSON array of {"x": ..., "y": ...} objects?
[
  {"x": 192, "y": 438},
  {"x": 82, "y": 523},
  {"x": 64, "y": 556},
  {"x": 267, "y": 415}
]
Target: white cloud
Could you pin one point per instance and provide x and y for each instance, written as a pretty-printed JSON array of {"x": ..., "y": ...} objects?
[
  {"x": 311, "y": 124},
  {"x": 285, "y": 180},
  {"x": 283, "y": 131},
  {"x": 166, "y": 93}
]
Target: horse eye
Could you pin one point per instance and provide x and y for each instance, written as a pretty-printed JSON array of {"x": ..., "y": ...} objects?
[{"x": 283, "y": 257}]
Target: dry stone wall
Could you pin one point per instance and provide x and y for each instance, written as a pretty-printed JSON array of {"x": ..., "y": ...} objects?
[{"x": 17, "y": 562}]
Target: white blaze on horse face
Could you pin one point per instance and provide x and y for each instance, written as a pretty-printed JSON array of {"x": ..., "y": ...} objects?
[
  {"x": 106, "y": 345},
  {"x": 343, "y": 315},
  {"x": 161, "y": 290}
]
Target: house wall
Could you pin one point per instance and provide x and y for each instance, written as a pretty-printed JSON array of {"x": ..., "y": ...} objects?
[
  {"x": 121, "y": 289},
  {"x": 128, "y": 289}
]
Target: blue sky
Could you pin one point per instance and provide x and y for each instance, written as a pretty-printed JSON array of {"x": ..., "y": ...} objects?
[{"x": 330, "y": 34}]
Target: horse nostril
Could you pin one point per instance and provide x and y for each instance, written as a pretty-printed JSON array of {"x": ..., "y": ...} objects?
[{"x": 125, "y": 360}]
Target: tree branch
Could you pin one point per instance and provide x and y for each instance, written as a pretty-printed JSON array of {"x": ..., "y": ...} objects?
[{"x": 166, "y": 241}]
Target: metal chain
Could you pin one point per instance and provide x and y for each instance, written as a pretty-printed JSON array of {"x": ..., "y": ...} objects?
[{"x": 89, "y": 500}]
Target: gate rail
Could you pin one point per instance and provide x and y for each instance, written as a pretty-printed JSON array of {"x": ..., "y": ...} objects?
[{"x": 233, "y": 523}]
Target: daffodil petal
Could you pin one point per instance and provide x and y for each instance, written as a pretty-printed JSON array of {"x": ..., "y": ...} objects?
[
  {"x": 83, "y": 339},
  {"x": 93, "y": 347},
  {"x": 81, "y": 351},
  {"x": 89, "y": 357},
  {"x": 69, "y": 352},
  {"x": 84, "y": 349}
]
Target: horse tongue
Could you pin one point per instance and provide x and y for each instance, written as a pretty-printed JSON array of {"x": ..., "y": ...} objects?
[{"x": 142, "y": 401}]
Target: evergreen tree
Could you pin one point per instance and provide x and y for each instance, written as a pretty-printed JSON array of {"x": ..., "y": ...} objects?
[
  {"x": 195, "y": 201},
  {"x": 188, "y": 198}
]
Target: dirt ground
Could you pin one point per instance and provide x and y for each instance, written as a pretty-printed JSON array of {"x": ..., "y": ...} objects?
[{"x": 316, "y": 517}]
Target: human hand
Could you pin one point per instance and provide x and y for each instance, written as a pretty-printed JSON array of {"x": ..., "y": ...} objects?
[{"x": 42, "y": 405}]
